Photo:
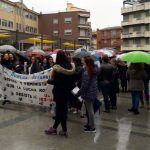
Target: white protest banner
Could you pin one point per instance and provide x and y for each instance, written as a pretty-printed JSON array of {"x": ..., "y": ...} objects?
[{"x": 29, "y": 89}]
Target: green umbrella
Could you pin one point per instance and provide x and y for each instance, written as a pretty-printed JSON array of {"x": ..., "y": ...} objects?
[{"x": 136, "y": 57}]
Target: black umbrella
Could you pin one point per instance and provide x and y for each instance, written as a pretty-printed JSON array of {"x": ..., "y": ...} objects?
[{"x": 22, "y": 55}]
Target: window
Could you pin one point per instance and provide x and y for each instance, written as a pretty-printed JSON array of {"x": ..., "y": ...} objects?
[
  {"x": 27, "y": 28},
  {"x": 113, "y": 33},
  {"x": 137, "y": 15},
  {"x": 35, "y": 17},
  {"x": 148, "y": 13},
  {"x": 26, "y": 14},
  {"x": 82, "y": 33},
  {"x": 126, "y": 43},
  {"x": 137, "y": 42},
  {"x": 68, "y": 20},
  {"x": 55, "y": 32},
  {"x": 35, "y": 30},
  {"x": 31, "y": 29},
  {"x": 83, "y": 20},
  {"x": 126, "y": 18},
  {"x": 137, "y": 28},
  {"x": 105, "y": 41},
  {"x": 148, "y": 27},
  {"x": 147, "y": 41},
  {"x": 105, "y": 33},
  {"x": 6, "y": 7},
  {"x": 125, "y": 31},
  {"x": 4, "y": 23},
  {"x": 55, "y": 21},
  {"x": 10, "y": 24},
  {"x": 68, "y": 32}
]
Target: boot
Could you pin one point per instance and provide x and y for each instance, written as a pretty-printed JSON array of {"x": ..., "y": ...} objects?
[
  {"x": 131, "y": 109},
  {"x": 147, "y": 105},
  {"x": 136, "y": 112},
  {"x": 142, "y": 104}
]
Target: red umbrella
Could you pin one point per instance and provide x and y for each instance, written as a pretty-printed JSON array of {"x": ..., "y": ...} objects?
[
  {"x": 56, "y": 50},
  {"x": 36, "y": 53},
  {"x": 102, "y": 52}
]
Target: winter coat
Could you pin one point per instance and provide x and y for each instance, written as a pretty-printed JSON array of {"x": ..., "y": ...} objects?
[
  {"x": 62, "y": 81},
  {"x": 106, "y": 73},
  {"x": 89, "y": 87},
  {"x": 136, "y": 79},
  {"x": 35, "y": 68}
]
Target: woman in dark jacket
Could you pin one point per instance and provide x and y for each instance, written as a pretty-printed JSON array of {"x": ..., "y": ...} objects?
[
  {"x": 5, "y": 60},
  {"x": 88, "y": 91},
  {"x": 34, "y": 67},
  {"x": 62, "y": 81}
]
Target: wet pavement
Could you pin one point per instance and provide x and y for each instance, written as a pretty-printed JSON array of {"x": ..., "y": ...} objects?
[{"x": 22, "y": 128}]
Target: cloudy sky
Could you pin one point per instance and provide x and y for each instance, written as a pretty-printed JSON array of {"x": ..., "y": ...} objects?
[{"x": 104, "y": 13}]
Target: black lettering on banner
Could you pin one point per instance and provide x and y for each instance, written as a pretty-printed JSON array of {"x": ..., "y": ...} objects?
[
  {"x": 41, "y": 90},
  {"x": 29, "y": 89},
  {"x": 10, "y": 85},
  {"x": 23, "y": 95},
  {"x": 18, "y": 87}
]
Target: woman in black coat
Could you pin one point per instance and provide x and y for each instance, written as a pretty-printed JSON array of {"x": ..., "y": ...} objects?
[{"x": 62, "y": 80}]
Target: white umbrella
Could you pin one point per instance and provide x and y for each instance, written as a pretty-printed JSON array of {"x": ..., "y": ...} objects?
[
  {"x": 5, "y": 48},
  {"x": 32, "y": 48}
]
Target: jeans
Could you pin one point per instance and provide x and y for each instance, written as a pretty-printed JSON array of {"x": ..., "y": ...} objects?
[
  {"x": 105, "y": 88},
  {"x": 135, "y": 99}
]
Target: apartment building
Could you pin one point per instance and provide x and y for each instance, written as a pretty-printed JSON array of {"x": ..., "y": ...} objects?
[
  {"x": 15, "y": 16},
  {"x": 71, "y": 25},
  {"x": 136, "y": 25},
  {"x": 109, "y": 37},
  {"x": 94, "y": 40}
]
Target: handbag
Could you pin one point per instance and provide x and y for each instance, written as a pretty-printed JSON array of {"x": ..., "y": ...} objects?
[{"x": 96, "y": 105}]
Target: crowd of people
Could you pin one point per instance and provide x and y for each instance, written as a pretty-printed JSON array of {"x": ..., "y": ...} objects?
[
  {"x": 33, "y": 65},
  {"x": 90, "y": 79},
  {"x": 110, "y": 77}
]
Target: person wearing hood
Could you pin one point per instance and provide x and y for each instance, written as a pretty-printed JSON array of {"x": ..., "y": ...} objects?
[
  {"x": 61, "y": 78},
  {"x": 136, "y": 75}
]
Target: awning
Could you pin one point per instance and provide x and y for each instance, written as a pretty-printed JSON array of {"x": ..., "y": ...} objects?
[
  {"x": 4, "y": 35},
  {"x": 37, "y": 40},
  {"x": 71, "y": 44}
]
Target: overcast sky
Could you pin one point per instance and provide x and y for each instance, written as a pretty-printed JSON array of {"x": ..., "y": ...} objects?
[{"x": 104, "y": 13}]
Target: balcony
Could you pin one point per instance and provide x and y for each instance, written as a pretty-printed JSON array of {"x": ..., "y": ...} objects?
[
  {"x": 133, "y": 9},
  {"x": 147, "y": 47},
  {"x": 126, "y": 35},
  {"x": 126, "y": 10},
  {"x": 147, "y": 33},
  {"x": 133, "y": 47},
  {"x": 86, "y": 15},
  {"x": 147, "y": 20},
  {"x": 83, "y": 37},
  {"x": 139, "y": 34},
  {"x": 84, "y": 25},
  {"x": 138, "y": 21},
  {"x": 139, "y": 7}
]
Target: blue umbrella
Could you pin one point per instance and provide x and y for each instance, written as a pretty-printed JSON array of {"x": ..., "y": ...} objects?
[{"x": 80, "y": 50}]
